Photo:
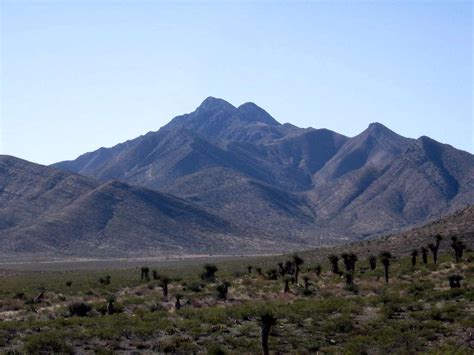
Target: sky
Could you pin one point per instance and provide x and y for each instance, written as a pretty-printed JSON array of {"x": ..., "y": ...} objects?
[{"x": 79, "y": 75}]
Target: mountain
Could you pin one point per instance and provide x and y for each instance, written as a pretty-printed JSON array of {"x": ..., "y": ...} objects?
[
  {"x": 309, "y": 185},
  {"x": 46, "y": 212}
]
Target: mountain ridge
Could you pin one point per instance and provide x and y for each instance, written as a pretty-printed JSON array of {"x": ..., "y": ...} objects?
[
  {"x": 334, "y": 176},
  {"x": 299, "y": 187}
]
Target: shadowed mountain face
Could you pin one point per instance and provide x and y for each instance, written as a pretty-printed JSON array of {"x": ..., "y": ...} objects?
[{"x": 281, "y": 184}]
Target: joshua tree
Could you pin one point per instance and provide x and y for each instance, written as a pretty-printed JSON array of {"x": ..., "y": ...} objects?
[
  {"x": 414, "y": 254},
  {"x": 110, "y": 309},
  {"x": 385, "y": 258},
  {"x": 455, "y": 281},
  {"x": 352, "y": 261},
  {"x": 334, "y": 259},
  {"x": 267, "y": 321},
  {"x": 306, "y": 284},
  {"x": 458, "y": 247},
  {"x": 281, "y": 269},
  {"x": 145, "y": 273},
  {"x": 435, "y": 247},
  {"x": 350, "y": 285},
  {"x": 209, "y": 272},
  {"x": 222, "y": 290},
  {"x": 164, "y": 282},
  {"x": 286, "y": 281},
  {"x": 317, "y": 270},
  {"x": 438, "y": 238},
  {"x": 349, "y": 276},
  {"x": 424, "y": 255},
  {"x": 349, "y": 261},
  {"x": 177, "y": 304},
  {"x": 345, "y": 259},
  {"x": 461, "y": 247},
  {"x": 155, "y": 275},
  {"x": 289, "y": 269},
  {"x": 297, "y": 261},
  {"x": 249, "y": 268},
  {"x": 372, "y": 262}
]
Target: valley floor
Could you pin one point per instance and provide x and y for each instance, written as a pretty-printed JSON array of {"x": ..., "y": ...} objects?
[{"x": 416, "y": 312}]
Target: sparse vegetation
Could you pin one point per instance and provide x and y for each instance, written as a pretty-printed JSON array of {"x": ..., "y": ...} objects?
[{"x": 355, "y": 313}]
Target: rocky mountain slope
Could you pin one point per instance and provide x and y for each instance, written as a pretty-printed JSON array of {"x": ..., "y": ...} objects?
[
  {"x": 309, "y": 184},
  {"x": 46, "y": 212}
]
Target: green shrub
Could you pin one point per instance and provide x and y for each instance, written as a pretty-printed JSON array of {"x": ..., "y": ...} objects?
[
  {"x": 46, "y": 344},
  {"x": 79, "y": 309},
  {"x": 216, "y": 350}
]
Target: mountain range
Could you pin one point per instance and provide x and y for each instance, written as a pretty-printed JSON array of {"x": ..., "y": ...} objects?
[{"x": 227, "y": 179}]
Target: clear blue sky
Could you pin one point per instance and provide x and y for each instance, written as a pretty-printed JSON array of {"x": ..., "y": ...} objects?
[{"x": 78, "y": 75}]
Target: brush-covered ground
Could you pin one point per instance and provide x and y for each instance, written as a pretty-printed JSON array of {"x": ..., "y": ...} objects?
[{"x": 416, "y": 312}]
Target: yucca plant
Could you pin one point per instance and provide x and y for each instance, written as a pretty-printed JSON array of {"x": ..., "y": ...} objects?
[
  {"x": 414, "y": 254},
  {"x": 372, "y": 262},
  {"x": 267, "y": 321},
  {"x": 334, "y": 260},
  {"x": 385, "y": 259}
]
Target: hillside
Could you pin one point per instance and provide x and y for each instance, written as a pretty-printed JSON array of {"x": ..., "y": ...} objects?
[
  {"x": 459, "y": 224},
  {"x": 49, "y": 213},
  {"x": 298, "y": 183}
]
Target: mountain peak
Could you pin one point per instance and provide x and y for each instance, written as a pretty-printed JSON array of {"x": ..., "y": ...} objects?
[
  {"x": 213, "y": 103},
  {"x": 253, "y": 113},
  {"x": 377, "y": 127}
]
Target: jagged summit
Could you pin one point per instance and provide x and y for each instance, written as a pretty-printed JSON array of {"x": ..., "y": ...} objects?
[
  {"x": 214, "y": 104},
  {"x": 377, "y": 128}
]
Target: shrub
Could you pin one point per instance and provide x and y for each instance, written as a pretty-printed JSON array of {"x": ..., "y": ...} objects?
[
  {"x": 216, "y": 350},
  {"x": 79, "y": 309},
  {"x": 105, "y": 280},
  {"x": 222, "y": 290},
  {"x": 272, "y": 274},
  {"x": 20, "y": 295},
  {"x": 194, "y": 286},
  {"x": 46, "y": 344}
]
